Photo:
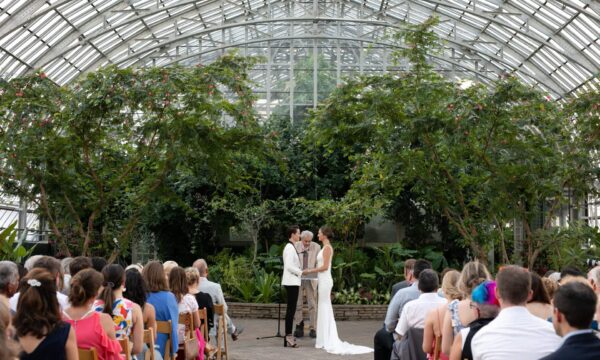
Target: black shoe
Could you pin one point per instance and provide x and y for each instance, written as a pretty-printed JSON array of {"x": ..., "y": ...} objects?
[
  {"x": 299, "y": 332},
  {"x": 312, "y": 333},
  {"x": 237, "y": 332}
]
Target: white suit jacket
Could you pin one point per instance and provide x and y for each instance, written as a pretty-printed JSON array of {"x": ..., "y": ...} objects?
[{"x": 292, "y": 270}]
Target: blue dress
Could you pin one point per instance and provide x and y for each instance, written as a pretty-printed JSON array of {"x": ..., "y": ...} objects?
[
  {"x": 166, "y": 309},
  {"x": 54, "y": 343}
]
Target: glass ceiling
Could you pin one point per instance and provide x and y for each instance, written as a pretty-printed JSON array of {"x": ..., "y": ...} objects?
[{"x": 553, "y": 44}]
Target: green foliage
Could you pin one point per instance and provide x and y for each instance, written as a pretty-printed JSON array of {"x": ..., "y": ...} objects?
[{"x": 11, "y": 247}]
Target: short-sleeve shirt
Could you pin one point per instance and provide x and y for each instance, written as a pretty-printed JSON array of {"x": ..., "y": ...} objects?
[{"x": 122, "y": 315}]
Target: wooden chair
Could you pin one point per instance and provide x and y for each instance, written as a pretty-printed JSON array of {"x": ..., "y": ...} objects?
[
  {"x": 125, "y": 347},
  {"x": 221, "y": 333},
  {"x": 164, "y": 327},
  {"x": 87, "y": 354},
  {"x": 203, "y": 315},
  {"x": 149, "y": 341},
  {"x": 187, "y": 319}
]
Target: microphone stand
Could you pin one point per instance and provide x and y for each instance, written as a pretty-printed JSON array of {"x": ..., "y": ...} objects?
[{"x": 278, "y": 334}]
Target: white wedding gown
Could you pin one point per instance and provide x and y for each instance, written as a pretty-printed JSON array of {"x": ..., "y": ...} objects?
[{"x": 327, "y": 335}]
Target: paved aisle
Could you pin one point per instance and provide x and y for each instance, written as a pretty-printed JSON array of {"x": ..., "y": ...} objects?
[{"x": 248, "y": 348}]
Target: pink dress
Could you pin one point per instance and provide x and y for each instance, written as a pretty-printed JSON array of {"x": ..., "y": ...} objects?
[{"x": 90, "y": 334}]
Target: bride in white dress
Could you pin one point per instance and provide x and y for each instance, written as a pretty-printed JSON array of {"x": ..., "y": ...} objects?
[{"x": 327, "y": 335}]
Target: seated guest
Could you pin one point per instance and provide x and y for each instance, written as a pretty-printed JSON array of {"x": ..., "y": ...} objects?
[
  {"x": 64, "y": 263},
  {"x": 31, "y": 261},
  {"x": 551, "y": 286},
  {"x": 126, "y": 315},
  {"x": 186, "y": 302},
  {"x": 574, "y": 307},
  {"x": 53, "y": 266},
  {"x": 168, "y": 266},
  {"x": 9, "y": 349},
  {"x": 409, "y": 277},
  {"x": 136, "y": 291},
  {"x": 570, "y": 272},
  {"x": 384, "y": 339},
  {"x": 204, "y": 300},
  {"x": 164, "y": 303},
  {"x": 486, "y": 307},
  {"x": 98, "y": 263},
  {"x": 433, "y": 321},
  {"x": 9, "y": 278},
  {"x": 539, "y": 303},
  {"x": 93, "y": 329},
  {"x": 79, "y": 263},
  {"x": 38, "y": 323},
  {"x": 594, "y": 280},
  {"x": 460, "y": 314},
  {"x": 515, "y": 333},
  {"x": 215, "y": 291}
]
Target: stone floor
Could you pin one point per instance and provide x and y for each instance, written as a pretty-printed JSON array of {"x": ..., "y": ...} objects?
[{"x": 247, "y": 347}]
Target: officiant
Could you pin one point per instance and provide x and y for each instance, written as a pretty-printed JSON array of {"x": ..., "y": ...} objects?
[{"x": 307, "y": 254}]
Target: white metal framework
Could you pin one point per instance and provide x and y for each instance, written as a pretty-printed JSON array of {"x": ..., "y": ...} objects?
[{"x": 309, "y": 46}]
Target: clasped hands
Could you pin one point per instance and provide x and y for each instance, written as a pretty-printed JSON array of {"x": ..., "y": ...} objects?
[{"x": 307, "y": 271}]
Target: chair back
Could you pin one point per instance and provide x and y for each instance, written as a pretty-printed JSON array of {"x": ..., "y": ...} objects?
[
  {"x": 164, "y": 327},
  {"x": 187, "y": 319},
  {"x": 219, "y": 309},
  {"x": 203, "y": 315},
  {"x": 125, "y": 347},
  {"x": 87, "y": 354},
  {"x": 221, "y": 333},
  {"x": 149, "y": 341}
]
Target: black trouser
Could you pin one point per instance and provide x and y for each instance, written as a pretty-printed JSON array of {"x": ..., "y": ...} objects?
[
  {"x": 292, "y": 300},
  {"x": 383, "y": 344}
]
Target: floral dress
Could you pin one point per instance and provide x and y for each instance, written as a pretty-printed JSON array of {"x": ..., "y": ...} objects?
[{"x": 122, "y": 314}]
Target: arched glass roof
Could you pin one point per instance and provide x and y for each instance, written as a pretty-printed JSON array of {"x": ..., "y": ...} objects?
[{"x": 553, "y": 44}]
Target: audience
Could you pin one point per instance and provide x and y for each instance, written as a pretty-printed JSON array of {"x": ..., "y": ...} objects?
[
  {"x": 31, "y": 261},
  {"x": 9, "y": 278},
  {"x": 126, "y": 315},
  {"x": 204, "y": 300},
  {"x": 574, "y": 308},
  {"x": 459, "y": 313},
  {"x": 98, "y": 263},
  {"x": 594, "y": 280},
  {"x": 9, "y": 349},
  {"x": 136, "y": 291},
  {"x": 168, "y": 266},
  {"x": 551, "y": 286},
  {"x": 569, "y": 272},
  {"x": 164, "y": 303},
  {"x": 432, "y": 333},
  {"x": 515, "y": 333},
  {"x": 384, "y": 339},
  {"x": 92, "y": 329},
  {"x": 485, "y": 306},
  {"x": 53, "y": 266},
  {"x": 65, "y": 263},
  {"x": 79, "y": 263},
  {"x": 409, "y": 277},
  {"x": 539, "y": 303},
  {"x": 215, "y": 291},
  {"x": 38, "y": 323}
]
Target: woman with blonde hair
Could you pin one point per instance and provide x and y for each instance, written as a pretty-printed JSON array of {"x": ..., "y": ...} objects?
[
  {"x": 459, "y": 314},
  {"x": 433, "y": 322}
]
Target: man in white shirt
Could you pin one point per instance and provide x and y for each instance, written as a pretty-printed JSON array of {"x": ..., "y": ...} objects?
[
  {"x": 515, "y": 333},
  {"x": 415, "y": 311}
]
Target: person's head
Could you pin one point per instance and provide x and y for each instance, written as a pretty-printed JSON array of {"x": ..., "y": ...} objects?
[
  {"x": 136, "y": 266},
  {"x": 53, "y": 266},
  {"x": 84, "y": 287},
  {"x": 325, "y": 232},
  {"x": 65, "y": 265},
  {"x": 472, "y": 274},
  {"x": 539, "y": 293},
  {"x": 594, "y": 279},
  {"x": 202, "y": 267},
  {"x": 428, "y": 281},
  {"x": 420, "y": 266},
  {"x": 293, "y": 233},
  {"x": 178, "y": 283},
  {"x": 135, "y": 287},
  {"x": 154, "y": 274},
  {"x": 168, "y": 266},
  {"x": 192, "y": 275},
  {"x": 574, "y": 307},
  {"x": 484, "y": 299},
  {"x": 98, "y": 263},
  {"x": 513, "y": 286},
  {"x": 31, "y": 261},
  {"x": 9, "y": 278},
  {"x": 306, "y": 237},
  {"x": 8, "y": 347},
  {"x": 79, "y": 263},
  {"x": 450, "y": 285},
  {"x": 551, "y": 286},
  {"x": 570, "y": 270},
  {"x": 38, "y": 311},
  {"x": 409, "y": 265},
  {"x": 114, "y": 278}
]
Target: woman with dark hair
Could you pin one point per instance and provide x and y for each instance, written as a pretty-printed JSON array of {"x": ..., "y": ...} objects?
[
  {"x": 40, "y": 329},
  {"x": 136, "y": 291},
  {"x": 126, "y": 315},
  {"x": 539, "y": 304},
  {"x": 164, "y": 303},
  {"x": 93, "y": 329}
]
